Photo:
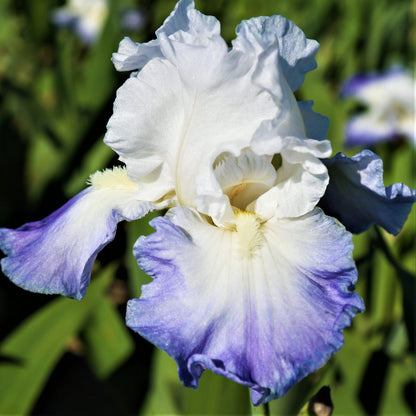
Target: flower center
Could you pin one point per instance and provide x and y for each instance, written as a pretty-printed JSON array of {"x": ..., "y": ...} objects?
[
  {"x": 243, "y": 179},
  {"x": 243, "y": 194}
]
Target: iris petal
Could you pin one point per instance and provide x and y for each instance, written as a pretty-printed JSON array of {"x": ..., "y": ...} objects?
[
  {"x": 132, "y": 55},
  {"x": 300, "y": 182},
  {"x": 357, "y": 197},
  {"x": 264, "y": 315},
  {"x": 297, "y": 53},
  {"x": 162, "y": 124},
  {"x": 55, "y": 255},
  {"x": 239, "y": 99},
  {"x": 183, "y": 19}
]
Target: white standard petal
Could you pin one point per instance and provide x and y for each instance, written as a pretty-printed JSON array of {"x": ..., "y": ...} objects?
[
  {"x": 132, "y": 55},
  {"x": 296, "y": 52},
  {"x": 301, "y": 179},
  {"x": 162, "y": 127},
  {"x": 183, "y": 22},
  {"x": 199, "y": 100},
  {"x": 289, "y": 184},
  {"x": 187, "y": 31},
  {"x": 242, "y": 180},
  {"x": 245, "y": 178}
]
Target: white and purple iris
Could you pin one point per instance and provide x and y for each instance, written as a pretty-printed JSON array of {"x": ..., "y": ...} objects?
[
  {"x": 252, "y": 264},
  {"x": 87, "y": 18},
  {"x": 390, "y": 112}
]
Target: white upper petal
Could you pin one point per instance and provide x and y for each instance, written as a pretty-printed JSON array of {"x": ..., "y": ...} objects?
[
  {"x": 184, "y": 21},
  {"x": 132, "y": 55},
  {"x": 300, "y": 182},
  {"x": 241, "y": 179},
  {"x": 196, "y": 99},
  {"x": 159, "y": 122},
  {"x": 296, "y": 52}
]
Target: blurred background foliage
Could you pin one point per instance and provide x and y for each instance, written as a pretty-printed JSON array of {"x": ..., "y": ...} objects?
[{"x": 60, "y": 356}]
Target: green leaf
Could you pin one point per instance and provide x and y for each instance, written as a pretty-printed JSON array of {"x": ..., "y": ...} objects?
[
  {"x": 107, "y": 339},
  {"x": 346, "y": 368},
  {"x": 291, "y": 402},
  {"x": 216, "y": 395},
  {"x": 393, "y": 400},
  {"x": 37, "y": 344},
  {"x": 165, "y": 392},
  {"x": 39, "y": 16},
  {"x": 385, "y": 293},
  {"x": 408, "y": 282},
  {"x": 66, "y": 68}
]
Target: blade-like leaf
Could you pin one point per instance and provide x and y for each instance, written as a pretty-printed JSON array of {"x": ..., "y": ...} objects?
[
  {"x": 215, "y": 395},
  {"x": 36, "y": 345},
  {"x": 107, "y": 339}
]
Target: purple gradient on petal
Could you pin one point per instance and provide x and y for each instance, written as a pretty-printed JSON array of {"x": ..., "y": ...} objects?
[
  {"x": 178, "y": 320},
  {"x": 357, "y": 197},
  {"x": 40, "y": 257}
]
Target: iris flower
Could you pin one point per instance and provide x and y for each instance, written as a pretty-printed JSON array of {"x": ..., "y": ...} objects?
[
  {"x": 390, "y": 113},
  {"x": 253, "y": 272}
]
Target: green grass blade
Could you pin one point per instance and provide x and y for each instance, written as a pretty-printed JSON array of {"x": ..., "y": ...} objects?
[
  {"x": 108, "y": 342},
  {"x": 37, "y": 344}
]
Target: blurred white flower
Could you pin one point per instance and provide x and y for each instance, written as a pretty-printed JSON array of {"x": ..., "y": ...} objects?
[
  {"x": 88, "y": 17},
  {"x": 390, "y": 107}
]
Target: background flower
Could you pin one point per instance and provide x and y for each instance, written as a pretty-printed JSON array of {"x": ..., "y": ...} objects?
[
  {"x": 389, "y": 100},
  {"x": 88, "y": 17}
]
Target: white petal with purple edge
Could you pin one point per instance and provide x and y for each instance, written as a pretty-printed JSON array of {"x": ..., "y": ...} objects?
[
  {"x": 357, "y": 197},
  {"x": 55, "y": 255},
  {"x": 264, "y": 311}
]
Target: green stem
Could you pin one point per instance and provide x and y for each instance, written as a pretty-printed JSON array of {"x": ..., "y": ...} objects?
[{"x": 266, "y": 409}]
